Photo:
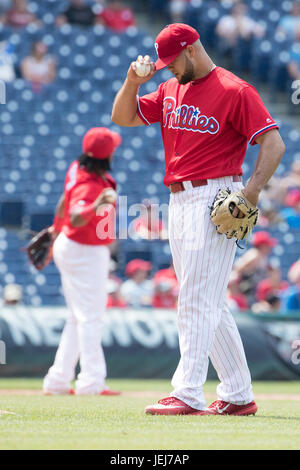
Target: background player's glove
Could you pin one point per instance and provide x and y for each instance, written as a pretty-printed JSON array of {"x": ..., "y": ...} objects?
[
  {"x": 39, "y": 249},
  {"x": 221, "y": 214}
]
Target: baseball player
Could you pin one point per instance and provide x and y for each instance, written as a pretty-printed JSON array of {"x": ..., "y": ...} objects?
[
  {"x": 85, "y": 224},
  {"x": 207, "y": 117}
]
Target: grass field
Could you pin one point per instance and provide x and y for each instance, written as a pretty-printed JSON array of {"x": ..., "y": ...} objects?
[{"x": 72, "y": 422}]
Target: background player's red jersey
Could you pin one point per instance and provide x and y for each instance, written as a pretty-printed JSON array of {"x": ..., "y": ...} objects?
[{"x": 81, "y": 189}]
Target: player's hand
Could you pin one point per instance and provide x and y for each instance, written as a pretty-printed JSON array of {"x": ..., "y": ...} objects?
[
  {"x": 132, "y": 75},
  {"x": 53, "y": 233},
  {"x": 252, "y": 197},
  {"x": 107, "y": 196}
]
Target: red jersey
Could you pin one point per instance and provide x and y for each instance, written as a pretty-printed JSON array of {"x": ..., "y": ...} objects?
[
  {"x": 81, "y": 189},
  {"x": 167, "y": 273},
  {"x": 206, "y": 124},
  {"x": 240, "y": 300}
]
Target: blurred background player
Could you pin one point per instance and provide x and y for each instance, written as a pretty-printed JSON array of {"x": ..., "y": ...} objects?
[
  {"x": 85, "y": 223},
  {"x": 137, "y": 291}
]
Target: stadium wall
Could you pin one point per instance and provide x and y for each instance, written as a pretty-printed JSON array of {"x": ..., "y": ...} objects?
[{"x": 144, "y": 343}]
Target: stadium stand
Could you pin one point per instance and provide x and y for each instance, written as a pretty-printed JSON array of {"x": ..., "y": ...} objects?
[{"x": 41, "y": 132}]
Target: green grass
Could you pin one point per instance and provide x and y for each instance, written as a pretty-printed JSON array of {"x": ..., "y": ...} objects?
[{"x": 120, "y": 423}]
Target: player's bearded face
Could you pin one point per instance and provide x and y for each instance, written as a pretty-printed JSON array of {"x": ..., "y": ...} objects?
[
  {"x": 188, "y": 74},
  {"x": 183, "y": 69}
]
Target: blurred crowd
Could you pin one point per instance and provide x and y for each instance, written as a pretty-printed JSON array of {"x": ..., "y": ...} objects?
[
  {"x": 111, "y": 13},
  {"x": 255, "y": 284},
  {"x": 234, "y": 31},
  {"x": 39, "y": 68}
]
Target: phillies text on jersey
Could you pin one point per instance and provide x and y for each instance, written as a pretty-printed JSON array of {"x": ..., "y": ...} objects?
[{"x": 187, "y": 118}]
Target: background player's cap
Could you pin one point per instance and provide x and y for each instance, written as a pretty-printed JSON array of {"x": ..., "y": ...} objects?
[
  {"x": 263, "y": 238},
  {"x": 100, "y": 142},
  {"x": 171, "y": 41},
  {"x": 137, "y": 265}
]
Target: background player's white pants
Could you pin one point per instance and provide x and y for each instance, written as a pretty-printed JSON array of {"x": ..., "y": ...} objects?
[
  {"x": 84, "y": 271},
  {"x": 203, "y": 261}
]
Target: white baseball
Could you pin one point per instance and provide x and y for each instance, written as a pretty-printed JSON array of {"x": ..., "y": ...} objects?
[{"x": 143, "y": 66}]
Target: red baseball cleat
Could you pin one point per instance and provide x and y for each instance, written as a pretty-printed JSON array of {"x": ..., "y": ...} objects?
[
  {"x": 58, "y": 392},
  {"x": 224, "y": 408},
  {"x": 107, "y": 392},
  {"x": 170, "y": 406}
]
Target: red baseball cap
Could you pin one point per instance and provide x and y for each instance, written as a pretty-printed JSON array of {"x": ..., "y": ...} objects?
[
  {"x": 263, "y": 238},
  {"x": 100, "y": 142},
  {"x": 136, "y": 265},
  {"x": 171, "y": 41}
]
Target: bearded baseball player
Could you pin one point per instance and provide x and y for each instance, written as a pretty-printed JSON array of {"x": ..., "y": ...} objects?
[
  {"x": 207, "y": 117},
  {"x": 82, "y": 256}
]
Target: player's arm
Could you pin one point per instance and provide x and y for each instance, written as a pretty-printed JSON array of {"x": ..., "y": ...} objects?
[
  {"x": 124, "y": 112},
  {"x": 55, "y": 229},
  {"x": 270, "y": 154},
  {"x": 81, "y": 215}
]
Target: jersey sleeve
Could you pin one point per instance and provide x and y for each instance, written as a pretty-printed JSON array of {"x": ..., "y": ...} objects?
[
  {"x": 83, "y": 194},
  {"x": 150, "y": 106},
  {"x": 250, "y": 116}
]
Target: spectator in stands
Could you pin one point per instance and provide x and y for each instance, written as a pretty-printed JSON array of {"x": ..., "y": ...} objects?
[
  {"x": 149, "y": 226},
  {"x": 19, "y": 15},
  {"x": 254, "y": 265},
  {"x": 293, "y": 66},
  {"x": 177, "y": 9},
  {"x": 289, "y": 25},
  {"x": 137, "y": 291},
  {"x": 165, "y": 294},
  {"x": 231, "y": 28},
  {"x": 273, "y": 285},
  {"x": 291, "y": 180},
  {"x": 272, "y": 305},
  {"x": 168, "y": 273},
  {"x": 114, "y": 298},
  {"x": 78, "y": 13},
  {"x": 273, "y": 193},
  {"x": 294, "y": 272},
  {"x": 236, "y": 300},
  {"x": 117, "y": 16},
  {"x": 166, "y": 288},
  {"x": 12, "y": 294},
  {"x": 292, "y": 213},
  {"x": 291, "y": 297},
  {"x": 268, "y": 215},
  {"x": 39, "y": 68}
]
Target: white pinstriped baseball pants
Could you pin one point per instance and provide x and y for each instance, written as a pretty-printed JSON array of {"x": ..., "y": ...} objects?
[
  {"x": 84, "y": 272},
  {"x": 203, "y": 262}
]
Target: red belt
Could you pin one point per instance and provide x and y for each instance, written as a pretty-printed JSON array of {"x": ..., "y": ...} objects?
[{"x": 178, "y": 186}]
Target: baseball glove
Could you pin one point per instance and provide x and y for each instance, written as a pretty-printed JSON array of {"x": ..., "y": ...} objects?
[
  {"x": 39, "y": 249},
  {"x": 221, "y": 214}
]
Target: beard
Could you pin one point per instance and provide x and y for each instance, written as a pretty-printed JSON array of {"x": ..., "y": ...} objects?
[{"x": 188, "y": 74}]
